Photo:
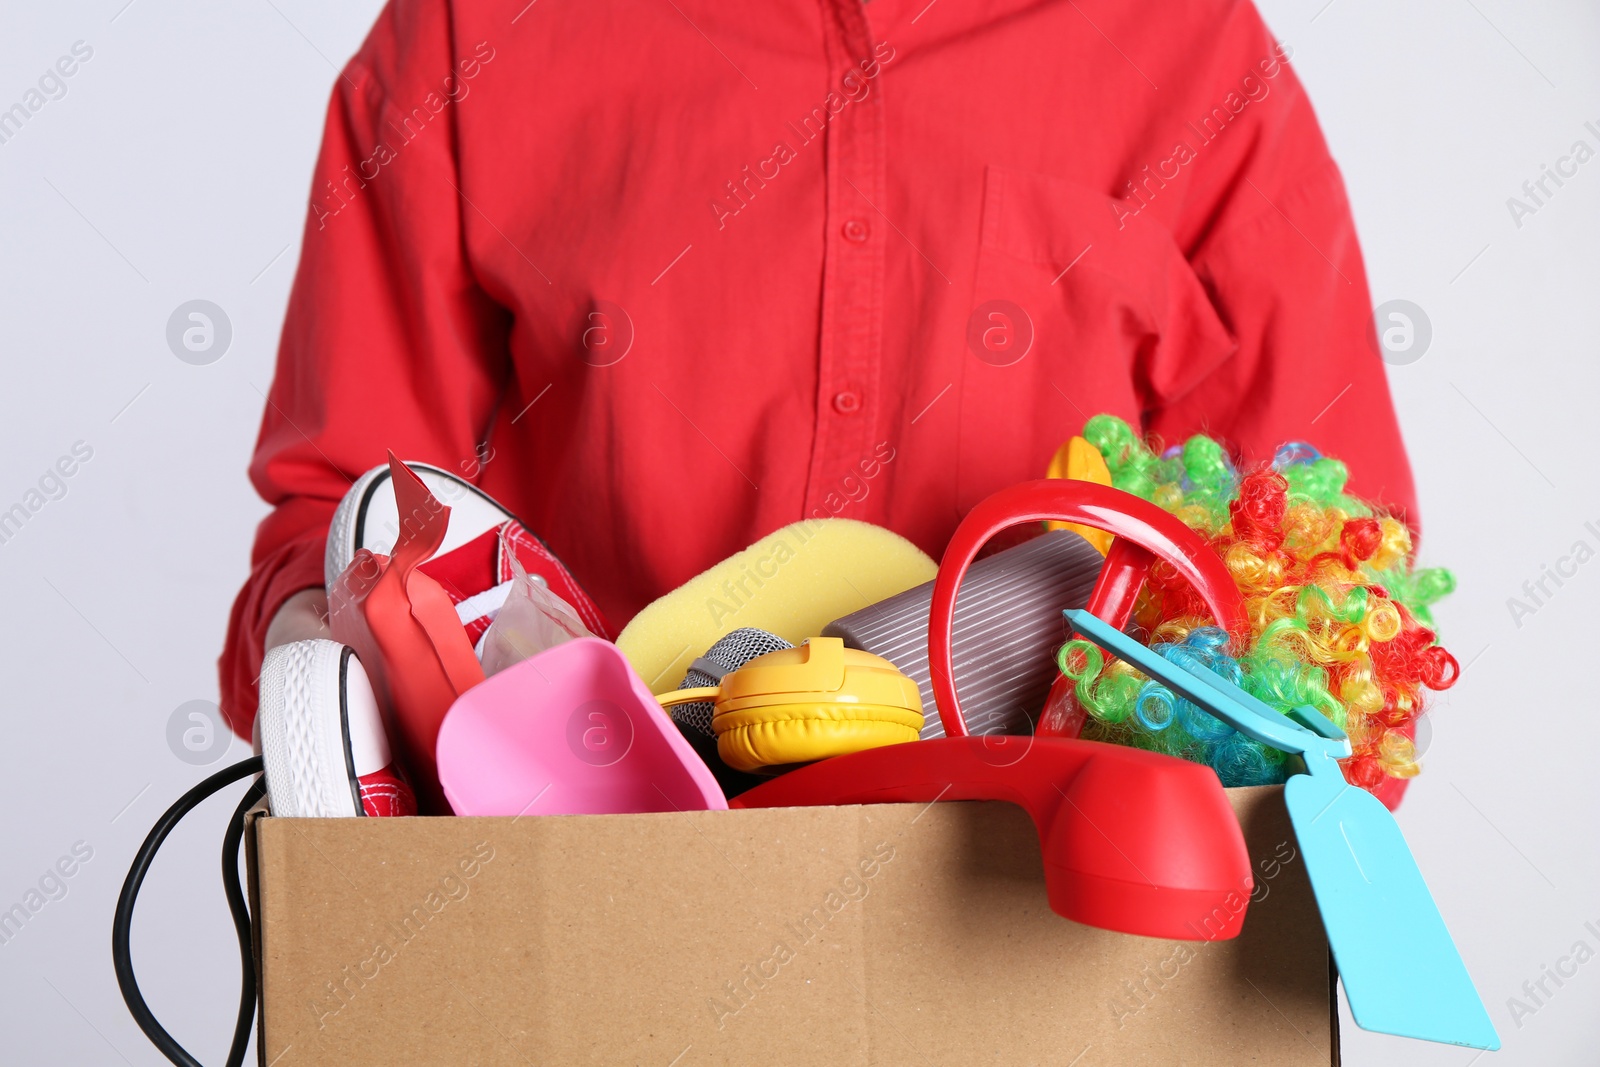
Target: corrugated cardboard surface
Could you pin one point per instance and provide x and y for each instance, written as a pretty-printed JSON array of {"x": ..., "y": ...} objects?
[{"x": 881, "y": 935}]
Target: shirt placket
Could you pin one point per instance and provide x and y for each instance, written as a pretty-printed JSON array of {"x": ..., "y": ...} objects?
[{"x": 848, "y": 400}]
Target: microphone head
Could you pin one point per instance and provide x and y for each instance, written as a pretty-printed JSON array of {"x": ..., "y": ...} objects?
[{"x": 728, "y": 654}]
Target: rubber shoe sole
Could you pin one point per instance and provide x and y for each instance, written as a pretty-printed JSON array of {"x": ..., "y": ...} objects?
[{"x": 323, "y": 744}]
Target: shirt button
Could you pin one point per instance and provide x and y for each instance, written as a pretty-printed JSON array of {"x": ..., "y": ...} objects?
[
  {"x": 847, "y": 402},
  {"x": 857, "y": 231}
]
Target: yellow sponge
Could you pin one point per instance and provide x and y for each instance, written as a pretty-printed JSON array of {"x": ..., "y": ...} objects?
[{"x": 792, "y": 583}]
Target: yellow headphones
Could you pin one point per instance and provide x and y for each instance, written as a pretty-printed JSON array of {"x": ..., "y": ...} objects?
[{"x": 808, "y": 703}]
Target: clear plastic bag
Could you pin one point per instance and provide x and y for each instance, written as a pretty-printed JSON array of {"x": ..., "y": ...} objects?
[{"x": 532, "y": 620}]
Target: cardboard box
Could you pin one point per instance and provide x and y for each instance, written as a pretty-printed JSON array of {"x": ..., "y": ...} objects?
[{"x": 883, "y": 935}]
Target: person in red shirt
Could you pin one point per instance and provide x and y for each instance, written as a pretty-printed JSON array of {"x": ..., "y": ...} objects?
[{"x": 664, "y": 276}]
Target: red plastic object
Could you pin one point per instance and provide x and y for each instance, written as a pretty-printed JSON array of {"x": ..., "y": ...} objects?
[
  {"x": 1132, "y": 841},
  {"x": 1143, "y": 533},
  {"x": 1123, "y": 575}
]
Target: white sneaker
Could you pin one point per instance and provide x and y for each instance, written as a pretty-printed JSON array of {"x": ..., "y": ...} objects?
[{"x": 323, "y": 743}]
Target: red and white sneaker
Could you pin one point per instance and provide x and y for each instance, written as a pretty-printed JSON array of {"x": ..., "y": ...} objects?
[
  {"x": 323, "y": 743},
  {"x": 322, "y": 734},
  {"x": 471, "y": 564}
]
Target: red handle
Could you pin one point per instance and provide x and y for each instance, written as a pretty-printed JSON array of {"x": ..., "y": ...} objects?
[{"x": 1143, "y": 533}]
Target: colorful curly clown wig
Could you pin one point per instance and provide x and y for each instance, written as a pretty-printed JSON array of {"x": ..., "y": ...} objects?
[{"x": 1339, "y": 616}]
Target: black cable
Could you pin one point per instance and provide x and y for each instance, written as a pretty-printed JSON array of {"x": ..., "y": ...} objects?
[
  {"x": 231, "y": 842},
  {"x": 122, "y": 925}
]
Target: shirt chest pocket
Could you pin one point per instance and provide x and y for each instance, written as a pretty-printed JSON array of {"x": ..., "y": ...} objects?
[{"x": 1078, "y": 307}]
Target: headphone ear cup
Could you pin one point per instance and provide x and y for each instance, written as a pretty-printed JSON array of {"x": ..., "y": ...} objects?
[
  {"x": 734, "y": 782},
  {"x": 775, "y": 735}
]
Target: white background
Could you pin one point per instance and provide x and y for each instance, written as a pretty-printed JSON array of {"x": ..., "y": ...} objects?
[{"x": 177, "y": 166}]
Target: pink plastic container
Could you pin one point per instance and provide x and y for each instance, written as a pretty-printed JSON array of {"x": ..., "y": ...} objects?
[{"x": 571, "y": 731}]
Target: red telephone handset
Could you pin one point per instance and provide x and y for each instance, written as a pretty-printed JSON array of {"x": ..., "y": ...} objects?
[{"x": 1132, "y": 841}]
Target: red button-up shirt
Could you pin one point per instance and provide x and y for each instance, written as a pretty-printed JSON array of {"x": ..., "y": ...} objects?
[{"x": 665, "y": 275}]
